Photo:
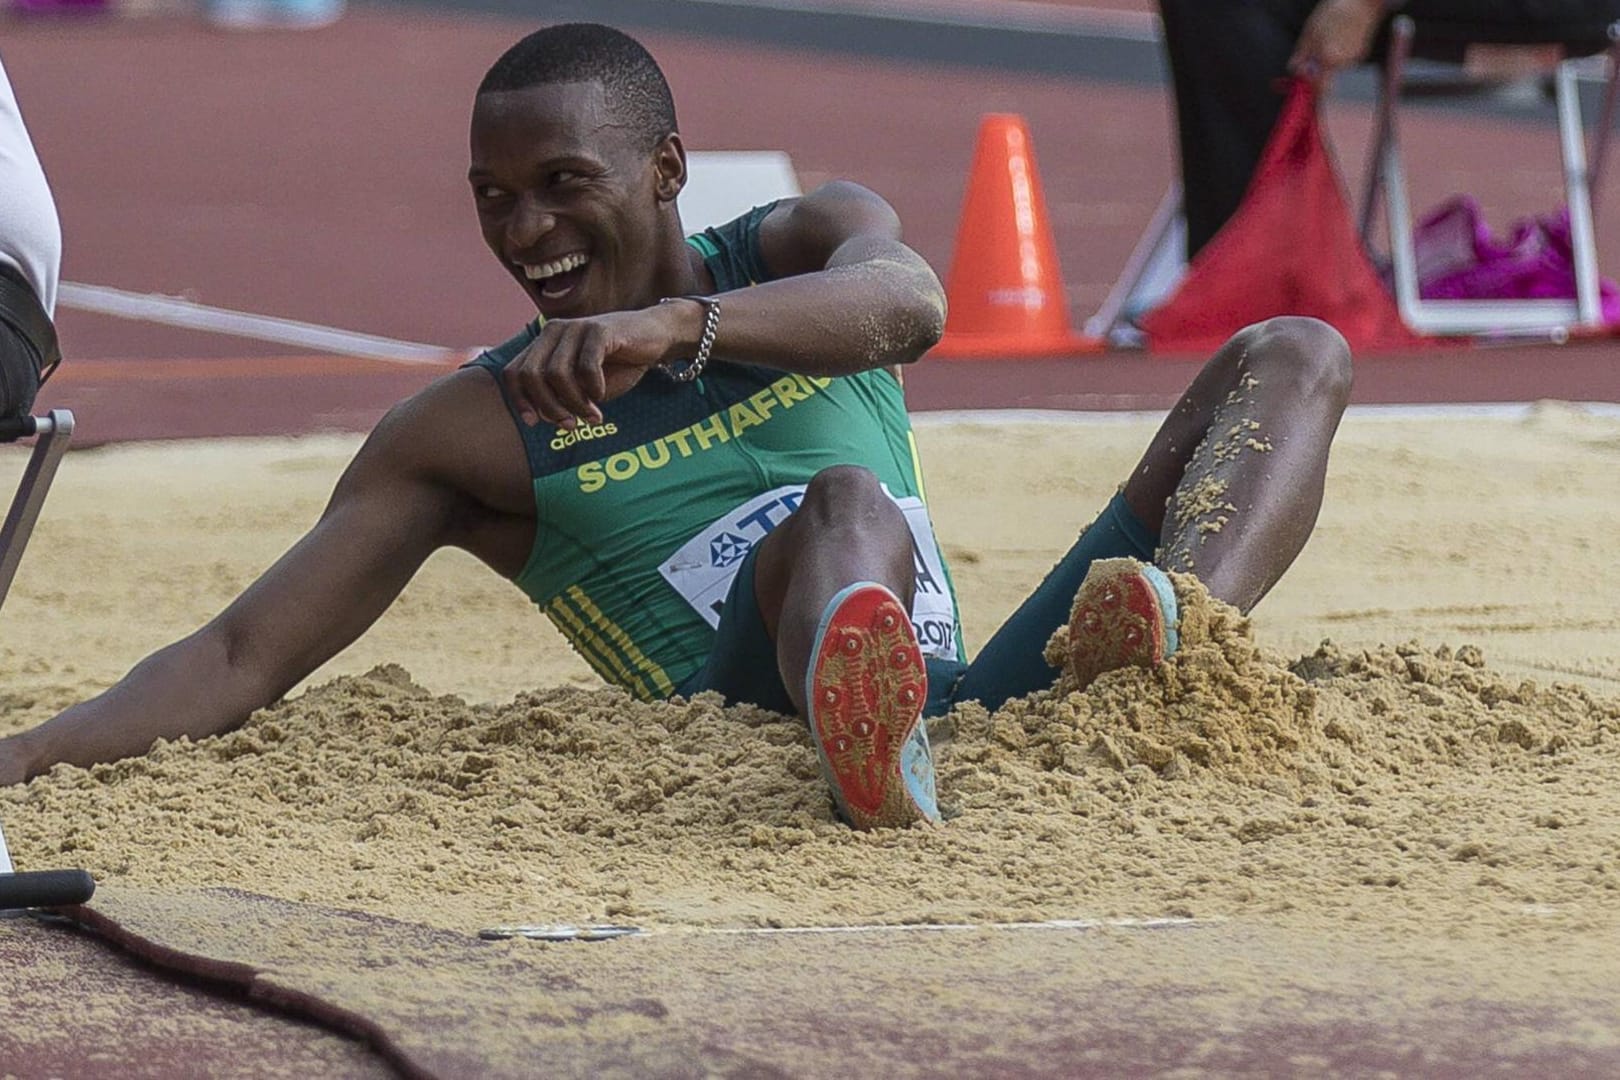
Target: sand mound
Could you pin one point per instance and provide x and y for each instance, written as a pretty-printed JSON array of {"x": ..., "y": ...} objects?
[{"x": 1391, "y": 783}]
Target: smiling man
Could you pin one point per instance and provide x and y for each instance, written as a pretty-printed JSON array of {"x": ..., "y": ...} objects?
[{"x": 697, "y": 462}]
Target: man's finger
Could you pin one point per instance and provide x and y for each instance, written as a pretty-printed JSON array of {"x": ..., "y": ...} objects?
[
  {"x": 592, "y": 355},
  {"x": 537, "y": 389},
  {"x": 561, "y": 373},
  {"x": 512, "y": 378}
]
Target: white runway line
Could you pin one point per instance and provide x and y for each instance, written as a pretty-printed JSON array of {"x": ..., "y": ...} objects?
[
  {"x": 1008, "y": 14},
  {"x": 177, "y": 311},
  {"x": 190, "y": 315},
  {"x": 605, "y": 932},
  {"x": 880, "y": 928}
]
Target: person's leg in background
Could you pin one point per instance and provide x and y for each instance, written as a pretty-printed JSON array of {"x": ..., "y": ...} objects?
[{"x": 1225, "y": 59}]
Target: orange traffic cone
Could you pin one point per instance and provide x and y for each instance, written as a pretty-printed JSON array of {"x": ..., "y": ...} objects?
[{"x": 1005, "y": 290}]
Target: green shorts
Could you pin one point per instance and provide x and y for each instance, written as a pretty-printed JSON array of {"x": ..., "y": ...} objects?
[{"x": 742, "y": 664}]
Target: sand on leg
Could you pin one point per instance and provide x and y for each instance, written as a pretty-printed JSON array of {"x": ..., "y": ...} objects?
[{"x": 1232, "y": 483}]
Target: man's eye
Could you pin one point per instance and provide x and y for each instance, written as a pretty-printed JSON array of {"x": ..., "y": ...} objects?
[
  {"x": 564, "y": 176},
  {"x": 489, "y": 191}
]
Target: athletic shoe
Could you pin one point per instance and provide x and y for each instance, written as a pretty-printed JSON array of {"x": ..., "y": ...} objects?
[
  {"x": 865, "y": 691},
  {"x": 1124, "y": 613}
]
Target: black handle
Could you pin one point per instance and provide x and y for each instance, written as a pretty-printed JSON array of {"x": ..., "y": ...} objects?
[{"x": 45, "y": 888}]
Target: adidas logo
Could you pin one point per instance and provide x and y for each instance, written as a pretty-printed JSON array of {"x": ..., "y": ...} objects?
[{"x": 565, "y": 438}]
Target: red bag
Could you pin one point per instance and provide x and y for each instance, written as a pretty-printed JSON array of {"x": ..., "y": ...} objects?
[{"x": 1289, "y": 250}]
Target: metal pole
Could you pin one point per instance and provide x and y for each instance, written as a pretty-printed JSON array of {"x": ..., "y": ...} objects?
[
  {"x": 1581, "y": 234},
  {"x": 55, "y": 431}
]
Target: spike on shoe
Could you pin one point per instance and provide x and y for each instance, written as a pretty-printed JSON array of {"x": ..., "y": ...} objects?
[
  {"x": 865, "y": 692},
  {"x": 1124, "y": 614}
]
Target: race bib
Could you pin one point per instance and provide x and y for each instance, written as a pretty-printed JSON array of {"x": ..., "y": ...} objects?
[{"x": 703, "y": 568}]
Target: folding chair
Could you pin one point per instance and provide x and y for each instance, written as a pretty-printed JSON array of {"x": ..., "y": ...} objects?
[
  {"x": 1387, "y": 181},
  {"x": 1156, "y": 265},
  {"x": 53, "y": 433}
]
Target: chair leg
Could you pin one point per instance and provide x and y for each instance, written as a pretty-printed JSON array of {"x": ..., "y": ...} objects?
[
  {"x": 1392, "y": 178},
  {"x": 1154, "y": 268},
  {"x": 1600, "y": 137},
  {"x": 1583, "y": 242},
  {"x": 1389, "y": 89},
  {"x": 55, "y": 431}
]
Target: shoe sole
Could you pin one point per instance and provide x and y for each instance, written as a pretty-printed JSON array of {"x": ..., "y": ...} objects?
[
  {"x": 1124, "y": 614},
  {"x": 865, "y": 692}
]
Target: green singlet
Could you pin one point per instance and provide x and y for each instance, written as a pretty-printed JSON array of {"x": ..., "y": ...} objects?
[{"x": 643, "y": 519}]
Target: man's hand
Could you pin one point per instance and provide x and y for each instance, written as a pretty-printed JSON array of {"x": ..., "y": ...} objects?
[
  {"x": 1339, "y": 33},
  {"x": 576, "y": 364}
]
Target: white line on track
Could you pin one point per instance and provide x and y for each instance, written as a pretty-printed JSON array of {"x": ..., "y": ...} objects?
[
  {"x": 178, "y": 311},
  {"x": 1007, "y": 14},
  {"x": 879, "y": 928},
  {"x": 568, "y": 932},
  {"x": 190, "y": 315}
]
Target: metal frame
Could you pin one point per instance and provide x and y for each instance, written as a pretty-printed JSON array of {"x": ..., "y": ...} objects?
[
  {"x": 1387, "y": 180},
  {"x": 54, "y": 431},
  {"x": 1155, "y": 267}
]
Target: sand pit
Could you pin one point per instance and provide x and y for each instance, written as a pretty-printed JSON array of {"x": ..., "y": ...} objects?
[{"x": 1448, "y": 760}]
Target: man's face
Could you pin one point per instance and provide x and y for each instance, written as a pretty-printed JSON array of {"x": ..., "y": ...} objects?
[{"x": 569, "y": 198}]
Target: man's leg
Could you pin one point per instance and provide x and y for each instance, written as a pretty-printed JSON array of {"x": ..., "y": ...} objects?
[
  {"x": 30, "y": 234},
  {"x": 1282, "y": 384},
  {"x": 834, "y": 585},
  {"x": 1232, "y": 481},
  {"x": 30, "y": 245},
  {"x": 846, "y": 530}
]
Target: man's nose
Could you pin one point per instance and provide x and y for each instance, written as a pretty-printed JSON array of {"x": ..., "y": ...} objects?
[{"x": 530, "y": 221}]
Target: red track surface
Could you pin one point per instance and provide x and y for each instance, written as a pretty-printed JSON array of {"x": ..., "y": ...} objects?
[{"x": 318, "y": 177}]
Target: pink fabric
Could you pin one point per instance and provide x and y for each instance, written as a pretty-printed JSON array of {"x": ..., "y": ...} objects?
[{"x": 1458, "y": 258}]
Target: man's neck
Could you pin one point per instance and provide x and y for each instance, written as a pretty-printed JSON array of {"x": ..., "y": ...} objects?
[{"x": 680, "y": 270}]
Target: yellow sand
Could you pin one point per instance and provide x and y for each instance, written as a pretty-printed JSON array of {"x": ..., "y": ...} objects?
[{"x": 1468, "y": 777}]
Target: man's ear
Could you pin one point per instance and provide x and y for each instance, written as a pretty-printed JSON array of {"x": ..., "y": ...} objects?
[{"x": 669, "y": 159}]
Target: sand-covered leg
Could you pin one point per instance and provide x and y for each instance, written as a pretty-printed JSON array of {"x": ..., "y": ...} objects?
[
  {"x": 864, "y": 692},
  {"x": 1124, "y": 613}
]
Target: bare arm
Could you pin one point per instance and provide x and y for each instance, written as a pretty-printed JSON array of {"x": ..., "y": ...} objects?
[
  {"x": 390, "y": 510},
  {"x": 849, "y": 297}
]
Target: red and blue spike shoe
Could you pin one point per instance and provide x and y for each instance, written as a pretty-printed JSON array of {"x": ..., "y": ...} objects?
[
  {"x": 864, "y": 692},
  {"x": 1123, "y": 614}
]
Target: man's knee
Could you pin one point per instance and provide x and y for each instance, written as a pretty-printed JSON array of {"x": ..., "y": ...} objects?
[
  {"x": 849, "y": 495},
  {"x": 1307, "y": 351}
]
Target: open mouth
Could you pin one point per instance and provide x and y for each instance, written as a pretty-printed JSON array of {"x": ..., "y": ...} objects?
[{"x": 557, "y": 278}]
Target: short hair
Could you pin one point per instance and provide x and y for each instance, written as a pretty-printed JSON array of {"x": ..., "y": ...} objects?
[{"x": 636, "y": 88}]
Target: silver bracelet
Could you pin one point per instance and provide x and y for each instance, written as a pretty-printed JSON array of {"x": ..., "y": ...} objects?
[{"x": 711, "y": 326}]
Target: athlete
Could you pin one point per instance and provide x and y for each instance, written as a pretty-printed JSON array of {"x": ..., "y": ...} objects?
[
  {"x": 698, "y": 463},
  {"x": 30, "y": 255}
]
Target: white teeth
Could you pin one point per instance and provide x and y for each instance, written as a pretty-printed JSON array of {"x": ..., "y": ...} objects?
[{"x": 556, "y": 266}]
